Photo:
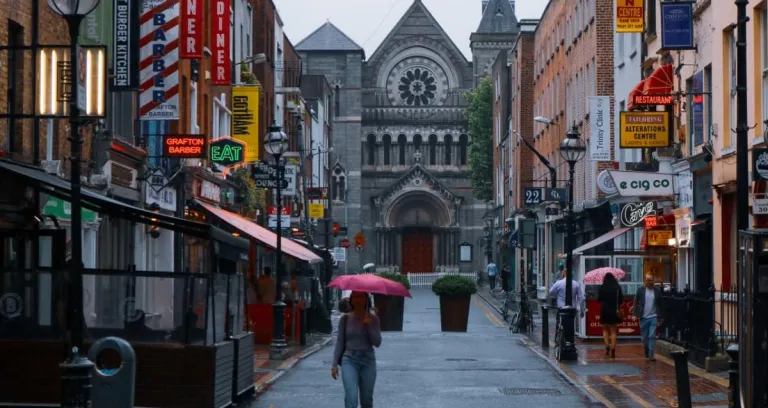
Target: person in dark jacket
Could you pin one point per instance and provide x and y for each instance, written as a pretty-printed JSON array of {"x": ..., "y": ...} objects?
[
  {"x": 610, "y": 297},
  {"x": 647, "y": 308}
]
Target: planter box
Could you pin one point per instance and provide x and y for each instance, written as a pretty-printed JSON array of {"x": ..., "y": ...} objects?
[
  {"x": 390, "y": 311},
  {"x": 454, "y": 313},
  {"x": 242, "y": 384}
]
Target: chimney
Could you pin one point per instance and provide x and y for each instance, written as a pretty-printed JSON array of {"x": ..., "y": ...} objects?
[{"x": 485, "y": 5}]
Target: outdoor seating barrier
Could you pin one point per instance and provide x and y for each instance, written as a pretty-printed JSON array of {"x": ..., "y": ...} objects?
[
  {"x": 689, "y": 322},
  {"x": 420, "y": 280}
]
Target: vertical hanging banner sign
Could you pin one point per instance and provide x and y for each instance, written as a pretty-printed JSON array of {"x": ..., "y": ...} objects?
[
  {"x": 629, "y": 16},
  {"x": 125, "y": 45},
  {"x": 159, "y": 88},
  {"x": 191, "y": 37},
  {"x": 677, "y": 25},
  {"x": 600, "y": 128},
  {"x": 245, "y": 119},
  {"x": 221, "y": 39}
]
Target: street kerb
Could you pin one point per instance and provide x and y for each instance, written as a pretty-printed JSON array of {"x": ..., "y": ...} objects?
[{"x": 289, "y": 364}]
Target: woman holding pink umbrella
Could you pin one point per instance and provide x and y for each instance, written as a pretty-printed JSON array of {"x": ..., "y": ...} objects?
[{"x": 610, "y": 297}]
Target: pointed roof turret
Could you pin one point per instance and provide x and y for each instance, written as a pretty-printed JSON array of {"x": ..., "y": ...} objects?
[
  {"x": 328, "y": 37},
  {"x": 498, "y": 17}
]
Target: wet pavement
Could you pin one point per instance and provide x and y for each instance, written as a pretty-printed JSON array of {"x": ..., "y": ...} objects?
[
  {"x": 422, "y": 367},
  {"x": 629, "y": 380}
]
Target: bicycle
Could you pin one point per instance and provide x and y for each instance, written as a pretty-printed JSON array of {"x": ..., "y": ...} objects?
[
  {"x": 559, "y": 338},
  {"x": 505, "y": 307}
]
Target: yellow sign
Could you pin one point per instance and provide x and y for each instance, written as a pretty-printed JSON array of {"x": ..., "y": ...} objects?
[
  {"x": 645, "y": 129},
  {"x": 245, "y": 119},
  {"x": 660, "y": 238},
  {"x": 629, "y": 16},
  {"x": 316, "y": 210}
]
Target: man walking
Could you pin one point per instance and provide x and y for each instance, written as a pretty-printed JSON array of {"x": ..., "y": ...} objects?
[
  {"x": 647, "y": 308},
  {"x": 558, "y": 291},
  {"x": 492, "y": 271}
]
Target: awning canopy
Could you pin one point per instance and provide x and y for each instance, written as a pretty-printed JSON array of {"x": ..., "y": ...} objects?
[
  {"x": 262, "y": 234},
  {"x": 637, "y": 90},
  {"x": 661, "y": 81},
  {"x": 601, "y": 240},
  {"x": 57, "y": 187}
]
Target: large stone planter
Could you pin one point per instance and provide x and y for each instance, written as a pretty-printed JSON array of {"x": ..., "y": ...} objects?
[
  {"x": 454, "y": 313},
  {"x": 390, "y": 311}
]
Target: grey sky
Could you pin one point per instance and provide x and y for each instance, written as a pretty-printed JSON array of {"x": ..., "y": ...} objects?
[{"x": 368, "y": 22}]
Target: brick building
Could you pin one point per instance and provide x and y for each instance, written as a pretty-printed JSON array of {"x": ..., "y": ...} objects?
[
  {"x": 500, "y": 75},
  {"x": 522, "y": 160}
]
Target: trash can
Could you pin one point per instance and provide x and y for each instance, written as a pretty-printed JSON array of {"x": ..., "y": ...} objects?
[{"x": 113, "y": 387}]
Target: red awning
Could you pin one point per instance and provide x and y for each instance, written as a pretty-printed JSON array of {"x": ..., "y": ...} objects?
[
  {"x": 637, "y": 90},
  {"x": 661, "y": 81},
  {"x": 262, "y": 234}
]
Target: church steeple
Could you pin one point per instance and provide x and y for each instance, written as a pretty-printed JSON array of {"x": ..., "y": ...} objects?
[
  {"x": 498, "y": 17},
  {"x": 485, "y": 5}
]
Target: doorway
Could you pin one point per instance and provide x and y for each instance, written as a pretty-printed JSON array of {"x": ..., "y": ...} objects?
[{"x": 417, "y": 250}]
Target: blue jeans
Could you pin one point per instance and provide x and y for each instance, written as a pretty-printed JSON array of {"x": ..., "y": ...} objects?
[
  {"x": 648, "y": 334},
  {"x": 358, "y": 373}
]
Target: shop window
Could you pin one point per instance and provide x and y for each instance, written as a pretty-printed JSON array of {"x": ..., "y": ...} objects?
[
  {"x": 402, "y": 141},
  {"x": 386, "y": 145}
]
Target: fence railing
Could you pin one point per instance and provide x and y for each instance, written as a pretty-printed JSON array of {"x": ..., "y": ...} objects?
[
  {"x": 726, "y": 329},
  {"x": 427, "y": 279},
  {"x": 689, "y": 321}
]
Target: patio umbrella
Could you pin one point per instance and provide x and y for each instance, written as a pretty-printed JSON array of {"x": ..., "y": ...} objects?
[
  {"x": 596, "y": 276},
  {"x": 370, "y": 284}
]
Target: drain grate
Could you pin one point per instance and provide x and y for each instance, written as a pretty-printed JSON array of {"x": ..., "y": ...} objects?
[
  {"x": 460, "y": 359},
  {"x": 704, "y": 398},
  {"x": 530, "y": 391}
]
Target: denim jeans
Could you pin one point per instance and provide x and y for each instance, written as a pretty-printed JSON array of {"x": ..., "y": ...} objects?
[
  {"x": 648, "y": 334},
  {"x": 358, "y": 373},
  {"x": 492, "y": 281}
]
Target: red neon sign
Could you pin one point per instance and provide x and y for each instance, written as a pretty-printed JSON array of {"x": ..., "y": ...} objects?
[
  {"x": 184, "y": 146},
  {"x": 653, "y": 100},
  {"x": 651, "y": 221}
]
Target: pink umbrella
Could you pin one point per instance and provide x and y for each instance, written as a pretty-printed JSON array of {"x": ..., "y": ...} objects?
[
  {"x": 596, "y": 276},
  {"x": 370, "y": 284}
]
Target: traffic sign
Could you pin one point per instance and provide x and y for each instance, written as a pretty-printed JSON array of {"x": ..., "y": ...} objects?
[{"x": 345, "y": 243}]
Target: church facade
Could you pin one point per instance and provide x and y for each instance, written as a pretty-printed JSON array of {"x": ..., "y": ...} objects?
[{"x": 400, "y": 173}]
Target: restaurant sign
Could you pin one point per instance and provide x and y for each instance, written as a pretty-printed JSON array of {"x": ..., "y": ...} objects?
[
  {"x": 653, "y": 100},
  {"x": 645, "y": 129},
  {"x": 633, "y": 214}
]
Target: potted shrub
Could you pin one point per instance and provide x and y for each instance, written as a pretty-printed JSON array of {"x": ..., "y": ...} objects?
[
  {"x": 455, "y": 292},
  {"x": 391, "y": 308}
]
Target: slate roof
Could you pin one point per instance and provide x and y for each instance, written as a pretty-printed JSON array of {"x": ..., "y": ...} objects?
[
  {"x": 328, "y": 38},
  {"x": 499, "y": 17}
]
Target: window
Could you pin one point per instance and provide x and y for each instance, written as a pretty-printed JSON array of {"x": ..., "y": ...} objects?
[
  {"x": 463, "y": 139},
  {"x": 728, "y": 141},
  {"x": 496, "y": 84},
  {"x": 401, "y": 142},
  {"x": 371, "y": 148},
  {"x": 650, "y": 17},
  {"x": 708, "y": 119},
  {"x": 386, "y": 145},
  {"x": 337, "y": 96},
  {"x": 620, "y": 44},
  {"x": 417, "y": 143},
  {"x": 15, "y": 85},
  {"x": 448, "y": 142},
  {"x": 221, "y": 118},
  {"x": 588, "y": 89},
  {"x": 432, "y": 150},
  {"x": 338, "y": 184},
  {"x": 193, "y": 122}
]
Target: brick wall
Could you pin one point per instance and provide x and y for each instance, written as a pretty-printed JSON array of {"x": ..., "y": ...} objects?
[
  {"x": 498, "y": 71},
  {"x": 522, "y": 113},
  {"x": 264, "y": 42}
]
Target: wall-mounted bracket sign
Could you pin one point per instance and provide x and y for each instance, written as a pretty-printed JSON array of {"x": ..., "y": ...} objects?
[
  {"x": 645, "y": 129},
  {"x": 633, "y": 214},
  {"x": 653, "y": 100},
  {"x": 184, "y": 146},
  {"x": 227, "y": 152},
  {"x": 534, "y": 196},
  {"x": 642, "y": 184}
]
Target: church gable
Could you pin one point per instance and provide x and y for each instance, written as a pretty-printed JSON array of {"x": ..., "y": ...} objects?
[{"x": 417, "y": 177}]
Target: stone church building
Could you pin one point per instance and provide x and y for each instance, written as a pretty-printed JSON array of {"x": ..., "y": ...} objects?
[{"x": 400, "y": 138}]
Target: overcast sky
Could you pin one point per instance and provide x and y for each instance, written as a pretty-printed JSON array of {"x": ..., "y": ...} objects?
[{"x": 367, "y": 22}]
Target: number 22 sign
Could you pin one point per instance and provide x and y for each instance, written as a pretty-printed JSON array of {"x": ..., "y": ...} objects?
[{"x": 532, "y": 196}]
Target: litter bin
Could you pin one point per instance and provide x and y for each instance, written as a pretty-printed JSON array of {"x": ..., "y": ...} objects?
[{"x": 113, "y": 387}]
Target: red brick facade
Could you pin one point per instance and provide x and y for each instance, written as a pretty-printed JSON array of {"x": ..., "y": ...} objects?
[
  {"x": 499, "y": 75},
  {"x": 522, "y": 100}
]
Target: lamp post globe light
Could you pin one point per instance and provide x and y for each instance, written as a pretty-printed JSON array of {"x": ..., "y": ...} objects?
[
  {"x": 275, "y": 144},
  {"x": 76, "y": 369},
  {"x": 572, "y": 149}
]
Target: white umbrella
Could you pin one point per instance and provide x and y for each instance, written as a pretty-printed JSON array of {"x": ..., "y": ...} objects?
[{"x": 368, "y": 265}]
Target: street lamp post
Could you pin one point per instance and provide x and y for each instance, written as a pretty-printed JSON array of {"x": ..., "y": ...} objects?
[
  {"x": 275, "y": 144},
  {"x": 572, "y": 149},
  {"x": 76, "y": 369}
]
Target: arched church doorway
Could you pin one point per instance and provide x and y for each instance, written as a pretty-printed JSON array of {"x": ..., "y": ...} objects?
[{"x": 417, "y": 250}]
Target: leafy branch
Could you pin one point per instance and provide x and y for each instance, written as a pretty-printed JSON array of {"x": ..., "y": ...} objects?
[
  {"x": 253, "y": 198},
  {"x": 479, "y": 114}
]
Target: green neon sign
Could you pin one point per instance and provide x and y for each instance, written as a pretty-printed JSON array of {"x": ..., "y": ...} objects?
[{"x": 227, "y": 151}]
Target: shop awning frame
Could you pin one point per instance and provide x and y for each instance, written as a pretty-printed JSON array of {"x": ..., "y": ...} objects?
[
  {"x": 608, "y": 236},
  {"x": 261, "y": 234},
  {"x": 60, "y": 188}
]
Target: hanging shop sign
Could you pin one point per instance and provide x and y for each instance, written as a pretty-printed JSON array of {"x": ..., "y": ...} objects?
[
  {"x": 645, "y": 129},
  {"x": 227, "y": 152},
  {"x": 265, "y": 176},
  {"x": 760, "y": 164},
  {"x": 677, "y": 25},
  {"x": 659, "y": 237},
  {"x": 684, "y": 189},
  {"x": 165, "y": 198},
  {"x": 632, "y": 214},
  {"x": 159, "y": 98},
  {"x": 600, "y": 128},
  {"x": 285, "y": 217},
  {"x": 125, "y": 45},
  {"x": 683, "y": 231},
  {"x": 191, "y": 36},
  {"x": 652, "y": 100},
  {"x": 290, "y": 175},
  {"x": 62, "y": 210},
  {"x": 316, "y": 210},
  {"x": 605, "y": 183},
  {"x": 209, "y": 191},
  {"x": 245, "y": 119},
  {"x": 55, "y": 84},
  {"x": 185, "y": 146},
  {"x": 221, "y": 63},
  {"x": 629, "y": 16},
  {"x": 642, "y": 184}
]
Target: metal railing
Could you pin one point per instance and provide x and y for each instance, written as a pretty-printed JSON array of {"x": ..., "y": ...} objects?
[
  {"x": 689, "y": 321},
  {"x": 726, "y": 329},
  {"x": 420, "y": 280}
]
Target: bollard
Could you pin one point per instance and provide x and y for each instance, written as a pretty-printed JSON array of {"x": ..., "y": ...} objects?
[
  {"x": 682, "y": 378},
  {"x": 734, "y": 399},
  {"x": 544, "y": 326},
  {"x": 114, "y": 388}
]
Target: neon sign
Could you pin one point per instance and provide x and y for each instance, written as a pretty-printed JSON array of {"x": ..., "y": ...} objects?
[
  {"x": 227, "y": 152},
  {"x": 653, "y": 100},
  {"x": 184, "y": 146}
]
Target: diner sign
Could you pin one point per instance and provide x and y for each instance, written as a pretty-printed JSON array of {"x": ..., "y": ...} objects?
[
  {"x": 645, "y": 129},
  {"x": 184, "y": 146},
  {"x": 633, "y": 214}
]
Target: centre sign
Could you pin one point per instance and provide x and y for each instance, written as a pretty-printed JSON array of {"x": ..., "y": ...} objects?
[
  {"x": 645, "y": 129},
  {"x": 642, "y": 184}
]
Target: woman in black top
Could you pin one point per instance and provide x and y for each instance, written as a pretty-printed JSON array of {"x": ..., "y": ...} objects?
[{"x": 610, "y": 298}]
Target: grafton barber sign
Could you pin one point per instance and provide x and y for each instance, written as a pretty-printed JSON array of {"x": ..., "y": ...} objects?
[{"x": 634, "y": 213}]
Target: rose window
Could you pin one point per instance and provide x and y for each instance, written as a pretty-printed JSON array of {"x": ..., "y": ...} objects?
[{"x": 417, "y": 87}]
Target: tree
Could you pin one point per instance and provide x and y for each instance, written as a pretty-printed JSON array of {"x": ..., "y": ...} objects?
[
  {"x": 480, "y": 117},
  {"x": 252, "y": 198}
]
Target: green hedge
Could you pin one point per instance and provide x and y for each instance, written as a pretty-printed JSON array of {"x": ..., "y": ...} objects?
[
  {"x": 397, "y": 277},
  {"x": 454, "y": 285}
]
